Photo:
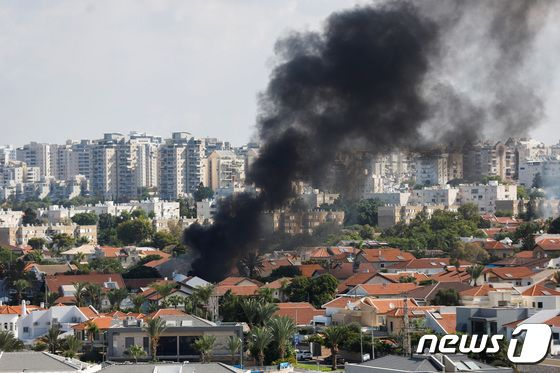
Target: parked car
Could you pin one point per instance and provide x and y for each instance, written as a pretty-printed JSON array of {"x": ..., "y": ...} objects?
[
  {"x": 303, "y": 355},
  {"x": 339, "y": 360}
]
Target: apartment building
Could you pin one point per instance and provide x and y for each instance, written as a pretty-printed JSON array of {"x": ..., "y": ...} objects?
[
  {"x": 226, "y": 170},
  {"x": 485, "y": 196},
  {"x": 300, "y": 222},
  {"x": 20, "y": 235},
  {"x": 36, "y": 155},
  {"x": 432, "y": 170},
  {"x": 491, "y": 159},
  {"x": 181, "y": 165}
]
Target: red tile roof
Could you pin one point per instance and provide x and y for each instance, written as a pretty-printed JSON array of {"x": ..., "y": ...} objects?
[
  {"x": 395, "y": 277},
  {"x": 308, "y": 270},
  {"x": 55, "y": 282},
  {"x": 16, "y": 310},
  {"x": 478, "y": 291},
  {"x": 524, "y": 254},
  {"x": 89, "y": 312},
  {"x": 386, "y": 255},
  {"x": 356, "y": 279},
  {"x": 549, "y": 244},
  {"x": 301, "y": 312},
  {"x": 452, "y": 275},
  {"x": 538, "y": 290},
  {"x": 278, "y": 283},
  {"x": 511, "y": 273},
  {"x": 426, "y": 263},
  {"x": 102, "y": 323},
  {"x": 386, "y": 289},
  {"x": 448, "y": 321},
  {"x": 243, "y": 290}
]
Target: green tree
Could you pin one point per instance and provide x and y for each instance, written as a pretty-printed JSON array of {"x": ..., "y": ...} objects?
[
  {"x": 71, "y": 346},
  {"x": 116, "y": 296},
  {"x": 163, "y": 288},
  {"x": 29, "y": 217},
  {"x": 106, "y": 265},
  {"x": 233, "y": 345},
  {"x": 137, "y": 302},
  {"x": 554, "y": 227},
  {"x": 51, "y": 339},
  {"x": 36, "y": 243},
  {"x": 9, "y": 343},
  {"x": 472, "y": 252},
  {"x": 366, "y": 210},
  {"x": 333, "y": 337},
  {"x": 260, "y": 338},
  {"x": 20, "y": 286},
  {"x": 79, "y": 293},
  {"x": 322, "y": 289},
  {"x": 447, "y": 297},
  {"x": 202, "y": 193},
  {"x": 283, "y": 329},
  {"x": 163, "y": 239},
  {"x": 136, "y": 352},
  {"x": 204, "y": 345},
  {"x": 62, "y": 241},
  {"x": 154, "y": 328},
  {"x": 284, "y": 271},
  {"x": 522, "y": 192},
  {"x": 134, "y": 231},
  {"x": 91, "y": 330},
  {"x": 251, "y": 265},
  {"x": 85, "y": 218},
  {"x": 475, "y": 272},
  {"x": 469, "y": 211},
  {"x": 94, "y": 293}
]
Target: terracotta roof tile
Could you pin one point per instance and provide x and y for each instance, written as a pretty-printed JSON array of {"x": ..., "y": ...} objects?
[
  {"x": 386, "y": 289},
  {"x": 426, "y": 263},
  {"x": 386, "y": 255},
  {"x": 540, "y": 290},
  {"x": 511, "y": 273},
  {"x": 301, "y": 312}
]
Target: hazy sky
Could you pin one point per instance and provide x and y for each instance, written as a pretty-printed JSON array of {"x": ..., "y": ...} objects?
[{"x": 76, "y": 69}]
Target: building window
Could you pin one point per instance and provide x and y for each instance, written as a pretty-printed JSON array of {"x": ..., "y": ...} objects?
[
  {"x": 128, "y": 341},
  {"x": 26, "y": 329},
  {"x": 539, "y": 305},
  {"x": 146, "y": 343}
]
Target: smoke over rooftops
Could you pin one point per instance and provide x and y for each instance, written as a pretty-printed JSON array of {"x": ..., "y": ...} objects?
[{"x": 375, "y": 79}]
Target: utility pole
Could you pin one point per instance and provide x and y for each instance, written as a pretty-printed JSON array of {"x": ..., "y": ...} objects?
[{"x": 406, "y": 330}]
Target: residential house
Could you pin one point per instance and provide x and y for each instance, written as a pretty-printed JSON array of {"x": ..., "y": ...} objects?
[
  {"x": 517, "y": 276},
  {"x": 416, "y": 318},
  {"x": 85, "y": 252},
  {"x": 390, "y": 290},
  {"x": 176, "y": 342},
  {"x": 103, "y": 323},
  {"x": 355, "y": 279},
  {"x": 64, "y": 285},
  {"x": 9, "y": 316},
  {"x": 189, "y": 284},
  {"x": 429, "y": 266},
  {"x": 277, "y": 287},
  {"x": 383, "y": 257},
  {"x": 425, "y": 295},
  {"x": 452, "y": 275},
  {"x": 547, "y": 246},
  {"x": 549, "y": 317},
  {"x": 479, "y": 320},
  {"x": 302, "y": 313},
  {"x": 442, "y": 321},
  {"x": 367, "y": 311},
  {"x": 37, "y": 323},
  {"x": 237, "y": 286},
  {"x": 42, "y": 270}
]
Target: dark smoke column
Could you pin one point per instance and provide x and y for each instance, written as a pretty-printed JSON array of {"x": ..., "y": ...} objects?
[{"x": 356, "y": 85}]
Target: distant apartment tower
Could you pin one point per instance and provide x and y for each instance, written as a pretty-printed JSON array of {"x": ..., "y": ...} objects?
[
  {"x": 226, "y": 170},
  {"x": 432, "y": 169},
  {"x": 104, "y": 167},
  {"x": 487, "y": 159},
  {"x": 36, "y": 155},
  {"x": 181, "y": 165},
  {"x": 7, "y": 153}
]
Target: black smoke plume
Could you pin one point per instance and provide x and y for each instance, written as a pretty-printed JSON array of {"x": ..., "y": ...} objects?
[{"x": 377, "y": 78}]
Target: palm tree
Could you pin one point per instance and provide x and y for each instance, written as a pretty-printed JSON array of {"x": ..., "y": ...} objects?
[
  {"x": 51, "y": 338},
  {"x": 249, "y": 308},
  {"x": 163, "y": 288},
  {"x": 78, "y": 258},
  {"x": 51, "y": 298},
  {"x": 475, "y": 271},
  {"x": 251, "y": 265},
  {"x": 154, "y": 327},
  {"x": 233, "y": 345},
  {"x": 260, "y": 339},
  {"x": 94, "y": 293},
  {"x": 72, "y": 345},
  {"x": 137, "y": 302},
  {"x": 333, "y": 338},
  {"x": 175, "y": 300},
  {"x": 79, "y": 294},
  {"x": 283, "y": 328},
  {"x": 116, "y": 296},
  {"x": 264, "y": 312},
  {"x": 204, "y": 345},
  {"x": 201, "y": 296},
  {"x": 136, "y": 351},
  {"x": 9, "y": 343},
  {"x": 91, "y": 329},
  {"x": 20, "y": 286},
  {"x": 266, "y": 295}
]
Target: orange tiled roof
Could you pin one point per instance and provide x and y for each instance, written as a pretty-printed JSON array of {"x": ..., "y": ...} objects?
[
  {"x": 278, "y": 283},
  {"x": 166, "y": 312},
  {"x": 384, "y": 306},
  {"x": 426, "y": 263},
  {"x": 236, "y": 280},
  {"x": 395, "y": 277},
  {"x": 301, "y": 312},
  {"x": 453, "y": 275},
  {"x": 339, "y": 302},
  {"x": 511, "y": 273},
  {"x": 102, "y": 323},
  {"x": 387, "y": 289},
  {"x": 55, "y": 282},
  {"x": 308, "y": 270},
  {"x": 243, "y": 290},
  {"x": 89, "y": 312},
  {"x": 355, "y": 279},
  {"x": 16, "y": 310},
  {"x": 539, "y": 290},
  {"x": 524, "y": 254},
  {"x": 448, "y": 321},
  {"x": 386, "y": 255},
  {"x": 549, "y": 244},
  {"x": 555, "y": 321}
]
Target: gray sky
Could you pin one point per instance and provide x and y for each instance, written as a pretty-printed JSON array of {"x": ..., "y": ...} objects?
[{"x": 76, "y": 69}]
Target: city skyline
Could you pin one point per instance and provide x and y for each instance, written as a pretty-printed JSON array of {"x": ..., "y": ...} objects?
[{"x": 84, "y": 69}]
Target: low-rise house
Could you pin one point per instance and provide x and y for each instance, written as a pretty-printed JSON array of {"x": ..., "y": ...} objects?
[
  {"x": 429, "y": 266},
  {"x": 355, "y": 279},
  {"x": 177, "y": 340},
  {"x": 278, "y": 287},
  {"x": 42, "y": 270},
  {"x": 547, "y": 246},
  {"x": 302, "y": 313},
  {"x": 517, "y": 276},
  {"x": 452, "y": 275},
  {"x": 65, "y": 285},
  {"x": 85, "y": 252},
  {"x": 9, "y": 316},
  {"x": 442, "y": 321},
  {"x": 189, "y": 284},
  {"x": 96, "y": 336},
  {"x": 368, "y": 311},
  {"x": 37, "y": 323},
  {"x": 425, "y": 295},
  {"x": 548, "y": 317},
  {"x": 238, "y": 286},
  {"x": 479, "y": 320},
  {"x": 383, "y": 257},
  {"x": 416, "y": 318},
  {"x": 390, "y": 290},
  {"x": 398, "y": 277}
]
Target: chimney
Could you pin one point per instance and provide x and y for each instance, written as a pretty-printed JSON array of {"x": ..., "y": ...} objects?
[
  {"x": 23, "y": 307},
  {"x": 42, "y": 305}
]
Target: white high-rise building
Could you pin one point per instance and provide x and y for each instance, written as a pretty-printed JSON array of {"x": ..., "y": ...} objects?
[
  {"x": 226, "y": 170},
  {"x": 432, "y": 170},
  {"x": 36, "y": 155}
]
